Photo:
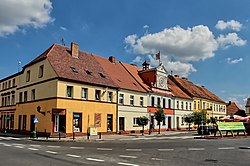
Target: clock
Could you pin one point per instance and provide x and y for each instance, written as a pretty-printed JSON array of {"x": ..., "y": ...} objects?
[{"x": 161, "y": 81}]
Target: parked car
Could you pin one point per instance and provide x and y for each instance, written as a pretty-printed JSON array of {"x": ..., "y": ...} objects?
[{"x": 206, "y": 130}]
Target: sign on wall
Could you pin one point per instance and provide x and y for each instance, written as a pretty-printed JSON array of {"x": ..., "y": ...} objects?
[{"x": 98, "y": 119}]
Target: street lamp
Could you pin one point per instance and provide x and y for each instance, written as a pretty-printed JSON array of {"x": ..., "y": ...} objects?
[{"x": 38, "y": 108}]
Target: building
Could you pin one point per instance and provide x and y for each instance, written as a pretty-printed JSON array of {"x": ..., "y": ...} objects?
[
  {"x": 183, "y": 105},
  {"x": 248, "y": 107},
  {"x": 65, "y": 89},
  {"x": 132, "y": 97},
  {"x": 203, "y": 100},
  {"x": 234, "y": 109}
]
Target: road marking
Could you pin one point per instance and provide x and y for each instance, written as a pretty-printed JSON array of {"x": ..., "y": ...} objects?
[
  {"x": 53, "y": 146},
  {"x": 127, "y": 164},
  {"x": 6, "y": 145},
  {"x": 226, "y": 148},
  {"x": 134, "y": 150},
  {"x": 92, "y": 159},
  {"x": 104, "y": 149},
  {"x": 18, "y": 144},
  {"x": 72, "y": 155},
  {"x": 77, "y": 147},
  {"x": 19, "y": 147},
  {"x": 35, "y": 146},
  {"x": 157, "y": 159},
  {"x": 51, "y": 152},
  {"x": 124, "y": 156},
  {"x": 196, "y": 148},
  {"x": 165, "y": 149},
  {"x": 32, "y": 149}
]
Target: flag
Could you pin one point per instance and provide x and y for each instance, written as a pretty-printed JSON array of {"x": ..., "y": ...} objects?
[{"x": 158, "y": 56}]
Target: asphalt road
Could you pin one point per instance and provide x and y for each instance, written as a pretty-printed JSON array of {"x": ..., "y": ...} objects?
[{"x": 221, "y": 152}]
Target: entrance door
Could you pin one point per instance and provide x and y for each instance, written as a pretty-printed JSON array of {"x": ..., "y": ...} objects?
[
  {"x": 121, "y": 123},
  {"x": 110, "y": 122},
  {"x": 178, "y": 122},
  {"x": 59, "y": 123},
  {"x": 169, "y": 123}
]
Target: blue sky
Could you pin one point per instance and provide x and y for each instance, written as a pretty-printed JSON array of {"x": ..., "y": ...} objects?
[{"x": 206, "y": 41}]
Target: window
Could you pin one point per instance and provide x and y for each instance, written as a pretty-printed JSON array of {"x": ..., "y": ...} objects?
[
  {"x": 169, "y": 103},
  {"x": 70, "y": 91},
  {"x": 13, "y": 100},
  {"x": 3, "y": 86},
  {"x": 28, "y": 76},
  {"x": 40, "y": 72},
  {"x": 24, "y": 121},
  {"x": 102, "y": 75},
  {"x": 110, "y": 96},
  {"x": 9, "y": 84},
  {"x": 141, "y": 101},
  {"x": 164, "y": 121},
  {"x": 97, "y": 95},
  {"x": 152, "y": 101},
  {"x": 2, "y": 101},
  {"x": 84, "y": 93},
  {"x": 25, "y": 96},
  {"x": 77, "y": 122},
  {"x": 135, "y": 120},
  {"x": 164, "y": 103},
  {"x": 204, "y": 105},
  {"x": 177, "y": 104},
  {"x": 158, "y": 101},
  {"x": 182, "y": 120},
  {"x": 182, "y": 105},
  {"x": 8, "y": 100},
  {"x": 186, "y": 105},
  {"x": 198, "y": 105},
  {"x": 121, "y": 99},
  {"x": 194, "y": 104},
  {"x": 21, "y": 97},
  {"x": 14, "y": 82},
  {"x": 88, "y": 72},
  {"x": 190, "y": 106},
  {"x": 33, "y": 94},
  {"x": 131, "y": 100}
]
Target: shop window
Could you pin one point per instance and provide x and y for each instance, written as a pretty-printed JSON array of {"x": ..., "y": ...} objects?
[{"x": 77, "y": 122}]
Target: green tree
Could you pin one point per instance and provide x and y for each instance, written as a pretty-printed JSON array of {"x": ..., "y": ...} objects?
[
  {"x": 199, "y": 118},
  {"x": 188, "y": 119},
  {"x": 159, "y": 117},
  {"x": 142, "y": 121}
]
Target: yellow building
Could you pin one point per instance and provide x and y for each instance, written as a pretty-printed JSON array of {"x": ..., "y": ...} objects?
[{"x": 64, "y": 89}]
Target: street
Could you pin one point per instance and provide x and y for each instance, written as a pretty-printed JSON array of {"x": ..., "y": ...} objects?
[{"x": 17, "y": 151}]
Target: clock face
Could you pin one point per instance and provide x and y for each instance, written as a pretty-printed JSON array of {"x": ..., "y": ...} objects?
[{"x": 161, "y": 81}]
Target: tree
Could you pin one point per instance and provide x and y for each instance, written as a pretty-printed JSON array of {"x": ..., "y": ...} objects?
[
  {"x": 142, "y": 121},
  {"x": 159, "y": 117},
  {"x": 188, "y": 119},
  {"x": 199, "y": 118}
]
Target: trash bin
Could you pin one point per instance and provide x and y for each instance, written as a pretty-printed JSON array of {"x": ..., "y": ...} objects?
[{"x": 33, "y": 134}]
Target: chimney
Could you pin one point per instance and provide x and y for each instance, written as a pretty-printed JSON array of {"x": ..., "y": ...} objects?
[
  {"x": 112, "y": 59},
  {"x": 74, "y": 50}
]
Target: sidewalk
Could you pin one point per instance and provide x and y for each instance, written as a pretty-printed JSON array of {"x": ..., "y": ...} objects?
[{"x": 108, "y": 137}]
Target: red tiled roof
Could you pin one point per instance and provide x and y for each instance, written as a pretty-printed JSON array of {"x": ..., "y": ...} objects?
[
  {"x": 233, "y": 108},
  {"x": 176, "y": 91},
  {"x": 63, "y": 63},
  {"x": 119, "y": 75},
  {"x": 133, "y": 70},
  {"x": 194, "y": 90}
]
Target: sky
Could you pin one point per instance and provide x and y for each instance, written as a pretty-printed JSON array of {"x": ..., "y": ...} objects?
[{"x": 205, "y": 41}]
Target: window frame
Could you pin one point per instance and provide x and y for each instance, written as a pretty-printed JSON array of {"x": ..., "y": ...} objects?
[{"x": 41, "y": 71}]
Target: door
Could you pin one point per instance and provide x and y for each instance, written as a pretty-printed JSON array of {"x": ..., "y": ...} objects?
[
  {"x": 110, "y": 122},
  {"x": 60, "y": 123},
  {"x": 121, "y": 123},
  {"x": 169, "y": 123},
  {"x": 178, "y": 122}
]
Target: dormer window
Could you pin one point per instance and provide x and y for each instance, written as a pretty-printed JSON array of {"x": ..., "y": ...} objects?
[
  {"x": 102, "y": 75},
  {"x": 74, "y": 69},
  {"x": 88, "y": 72}
]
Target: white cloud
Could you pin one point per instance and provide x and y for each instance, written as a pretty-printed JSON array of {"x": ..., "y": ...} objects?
[
  {"x": 138, "y": 60},
  {"x": 192, "y": 44},
  {"x": 145, "y": 26},
  {"x": 234, "y": 61},
  {"x": 234, "y": 25},
  {"x": 231, "y": 39},
  {"x": 63, "y": 28},
  {"x": 16, "y": 15}
]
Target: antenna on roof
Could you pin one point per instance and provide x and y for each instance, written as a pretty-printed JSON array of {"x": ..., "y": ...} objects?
[
  {"x": 19, "y": 66},
  {"x": 63, "y": 41}
]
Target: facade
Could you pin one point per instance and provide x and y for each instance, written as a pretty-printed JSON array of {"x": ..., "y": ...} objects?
[
  {"x": 67, "y": 90},
  {"x": 248, "y": 107},
  {"x": 131, "y": 97},
  {"x": 203, "y": 100}
]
